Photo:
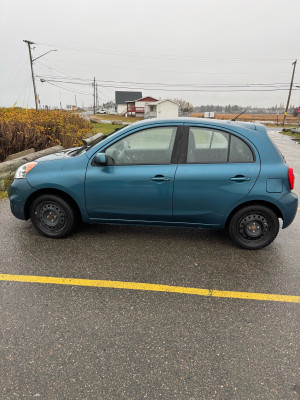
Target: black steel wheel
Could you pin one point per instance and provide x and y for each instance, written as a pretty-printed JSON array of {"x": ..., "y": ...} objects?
[
  {"x": 52, "y": 216},
  {"x": 253, "y": 227}
]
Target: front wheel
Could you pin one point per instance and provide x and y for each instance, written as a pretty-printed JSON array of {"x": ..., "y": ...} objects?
[
  {"x": 253, "y": 227},
  {"x": 52, "y": 216}
]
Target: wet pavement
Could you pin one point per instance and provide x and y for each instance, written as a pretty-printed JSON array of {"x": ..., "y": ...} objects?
[{"x": 73, "y": 342}]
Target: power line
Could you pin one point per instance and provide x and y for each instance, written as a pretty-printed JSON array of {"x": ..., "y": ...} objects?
[
  {"x": 168, "y": 56},
  {"x": 13, "y": 71},
  {"x": 215, "y": 89},
  {"x": 166, "y": 83},
  {"x": 172, "y": 71},
  {"x": 80, "y": 81},
  {"x": 69, "y": 90}
]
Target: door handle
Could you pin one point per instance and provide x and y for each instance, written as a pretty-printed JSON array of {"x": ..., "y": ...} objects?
[
  {"x": 240, "y": 178},
  {"x": 160, "y": 178}
]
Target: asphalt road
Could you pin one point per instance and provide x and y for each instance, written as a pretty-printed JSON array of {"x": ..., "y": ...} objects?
[{"x": 74, "y": 342}]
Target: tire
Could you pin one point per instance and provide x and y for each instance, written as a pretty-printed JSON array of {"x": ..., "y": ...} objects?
[
  {"x": 253, "y": 227},
  {"x": 52, "y": 216}
]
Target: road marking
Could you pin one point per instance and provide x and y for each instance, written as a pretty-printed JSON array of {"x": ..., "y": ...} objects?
[{"x": 149, "y": 287}]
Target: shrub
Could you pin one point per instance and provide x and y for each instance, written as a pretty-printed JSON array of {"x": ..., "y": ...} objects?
[{"x": 22, "y": 129}]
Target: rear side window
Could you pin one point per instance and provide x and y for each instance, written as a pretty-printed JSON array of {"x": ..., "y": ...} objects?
[
  {"x": 214, "y": 146},
  {"x": 207, "y": 146},
  {"x": 239, "y": 151}
]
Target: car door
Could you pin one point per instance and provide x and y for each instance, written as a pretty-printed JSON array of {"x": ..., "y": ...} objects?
[
  {"x": 218, "y": 170},
  {"x": 137, "y": 183}
]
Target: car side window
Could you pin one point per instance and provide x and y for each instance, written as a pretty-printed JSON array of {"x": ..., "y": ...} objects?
[
  {"x": 214, "y": 146},
  {"x": 149, "y": 146},
  {"x": 207, "y": 146},
  {"x": 239, "y": 151}
]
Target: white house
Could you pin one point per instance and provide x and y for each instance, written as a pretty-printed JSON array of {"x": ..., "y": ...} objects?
[
  {"x": 137, "y": 108},
  {"x": 162, "y": 109}
]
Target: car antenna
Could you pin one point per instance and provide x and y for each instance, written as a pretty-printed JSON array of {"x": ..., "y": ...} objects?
[{"x": 235, "y": 118}]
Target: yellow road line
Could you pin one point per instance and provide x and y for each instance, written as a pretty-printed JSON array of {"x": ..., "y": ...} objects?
[{"x": 149, "y": 287}]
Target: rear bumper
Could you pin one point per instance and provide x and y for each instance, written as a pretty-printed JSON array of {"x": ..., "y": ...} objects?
[
  {"x": 288, "y": 206},
  {"x": 18, "y": 193}
]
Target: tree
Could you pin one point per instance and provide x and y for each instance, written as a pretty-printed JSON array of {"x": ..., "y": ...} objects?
[{"x": 184, "y": 106}]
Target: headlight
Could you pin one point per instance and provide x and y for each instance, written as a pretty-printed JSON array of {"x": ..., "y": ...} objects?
[{"x": 24, "y": 169}]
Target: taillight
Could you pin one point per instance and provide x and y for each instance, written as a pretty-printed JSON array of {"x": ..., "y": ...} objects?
[{"x": 291, "y": 178}]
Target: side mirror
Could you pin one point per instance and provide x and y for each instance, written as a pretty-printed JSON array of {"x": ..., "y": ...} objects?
[{"x": 101, "y": 159}]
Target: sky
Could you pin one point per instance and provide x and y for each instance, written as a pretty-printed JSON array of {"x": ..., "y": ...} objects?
[{"x": 203, "y": 51}]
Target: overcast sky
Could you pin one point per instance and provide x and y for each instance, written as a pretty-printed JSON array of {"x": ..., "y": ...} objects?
[{"x": 203, "y": 51}]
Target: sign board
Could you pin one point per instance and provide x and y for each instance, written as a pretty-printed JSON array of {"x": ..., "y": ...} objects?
[
  {"x": 298, "y": 110},
  {"x": 209, "y": 114}
]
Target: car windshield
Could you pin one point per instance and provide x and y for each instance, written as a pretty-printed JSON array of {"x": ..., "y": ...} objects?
[{"x": 94, "y": 142}]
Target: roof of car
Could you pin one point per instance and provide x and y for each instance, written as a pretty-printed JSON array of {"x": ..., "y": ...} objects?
[{"x": 205, "y": 121}]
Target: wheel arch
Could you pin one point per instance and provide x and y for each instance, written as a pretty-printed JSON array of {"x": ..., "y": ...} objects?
[
  {"x": 56, "y": 192},
  {"x": 272, "y": 206}
]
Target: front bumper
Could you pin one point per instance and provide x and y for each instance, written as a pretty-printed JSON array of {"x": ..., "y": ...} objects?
[{"x": 18, "y": 193}]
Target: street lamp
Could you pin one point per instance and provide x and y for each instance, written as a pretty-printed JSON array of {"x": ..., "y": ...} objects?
[{"x": 34, "y": 59}]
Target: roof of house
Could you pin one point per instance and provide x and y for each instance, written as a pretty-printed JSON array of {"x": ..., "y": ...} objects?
[
  {"x": 162, "y": 101},
  {"x": 122, "y": 97},
  {"x": 147, "y": 98}
]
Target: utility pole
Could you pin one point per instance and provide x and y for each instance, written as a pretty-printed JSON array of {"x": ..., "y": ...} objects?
[
  {"x": 32, "y": 74},
  {"x": 94, "y": 95},
  {"x": 291, "y": 86},
  {"x": 97, "y": 100}
]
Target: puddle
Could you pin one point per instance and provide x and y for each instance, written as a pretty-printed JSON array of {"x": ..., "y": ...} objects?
[{"x": 297, "y": 141}]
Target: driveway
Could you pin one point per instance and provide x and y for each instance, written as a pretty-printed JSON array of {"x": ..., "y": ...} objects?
[{"x": 62, "y": 340}]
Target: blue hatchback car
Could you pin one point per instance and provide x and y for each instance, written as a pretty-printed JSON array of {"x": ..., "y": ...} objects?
[{"x": 181, "y": 172}]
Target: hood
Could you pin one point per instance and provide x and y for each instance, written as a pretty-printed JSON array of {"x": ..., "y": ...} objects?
[{"x": 57, "y": 156}]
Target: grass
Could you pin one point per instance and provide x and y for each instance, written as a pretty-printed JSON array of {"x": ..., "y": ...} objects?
[
  {"x": 105, "y": 128},
  {"x": 2, "y": 195},
  {"x": 112, "y": 117},
  {"x": 294, "y": 135}
]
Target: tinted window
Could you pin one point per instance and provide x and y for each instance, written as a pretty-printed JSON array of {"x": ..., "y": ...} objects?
[
  {"x": 239, "y": 151},
  {"x": 207, "y": 146},
  {"x": 149, "y": 146}
]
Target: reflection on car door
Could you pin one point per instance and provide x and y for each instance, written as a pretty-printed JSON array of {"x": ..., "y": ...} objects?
[
  {"x": 220, "y": 170},
  {"x": 137, "y": 185}
]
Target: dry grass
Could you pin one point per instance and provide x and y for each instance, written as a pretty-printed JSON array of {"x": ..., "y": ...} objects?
[
  {"x": 21, "y": 130},
  {"x": 3, "y": 195},
  {"x": 254, "y": 117}
]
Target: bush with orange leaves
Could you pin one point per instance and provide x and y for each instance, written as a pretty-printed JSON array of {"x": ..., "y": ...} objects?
[{"x": 21, "y": 130}]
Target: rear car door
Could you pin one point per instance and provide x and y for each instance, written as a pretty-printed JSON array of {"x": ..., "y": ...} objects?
[{"x": 218, "y": 169}]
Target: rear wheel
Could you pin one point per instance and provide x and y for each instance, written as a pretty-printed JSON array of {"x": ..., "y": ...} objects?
[
  {"x": 253, "y": 227},
  {"x": 52, "y": 216}
]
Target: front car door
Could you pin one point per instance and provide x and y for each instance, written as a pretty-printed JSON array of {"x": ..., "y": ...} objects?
[
  {"x": 137, "y": 183},
  {"x": 218, "y": 170}
]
